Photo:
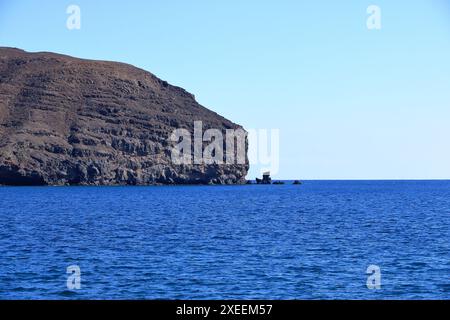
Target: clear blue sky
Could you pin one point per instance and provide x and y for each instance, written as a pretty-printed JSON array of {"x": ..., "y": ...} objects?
[{"x": 350, "y": 103}]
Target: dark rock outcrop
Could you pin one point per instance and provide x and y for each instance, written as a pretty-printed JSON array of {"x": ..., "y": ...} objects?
[{"x": 69, "y": 121}]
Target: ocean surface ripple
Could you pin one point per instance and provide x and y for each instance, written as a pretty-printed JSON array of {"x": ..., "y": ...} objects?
[{"x": 313, "y": 241}]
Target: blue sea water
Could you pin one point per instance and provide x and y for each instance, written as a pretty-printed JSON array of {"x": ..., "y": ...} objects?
[{"x": 313, "y": 241}]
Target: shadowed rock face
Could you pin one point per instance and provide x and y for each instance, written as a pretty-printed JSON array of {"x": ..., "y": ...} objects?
[{"x": 65, "y": 120}]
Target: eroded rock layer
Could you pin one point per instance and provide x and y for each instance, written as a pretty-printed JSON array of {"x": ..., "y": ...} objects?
[{"x": 69, "y": 121}]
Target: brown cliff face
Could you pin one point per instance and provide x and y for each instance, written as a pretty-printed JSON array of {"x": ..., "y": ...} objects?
[{"x": 68, "y": 121}]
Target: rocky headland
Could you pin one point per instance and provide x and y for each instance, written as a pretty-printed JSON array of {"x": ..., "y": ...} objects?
[{"x": 70, "y": 121}]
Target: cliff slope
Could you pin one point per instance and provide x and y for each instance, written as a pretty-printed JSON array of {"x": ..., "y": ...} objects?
[{"x": 69, "y": 121}]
